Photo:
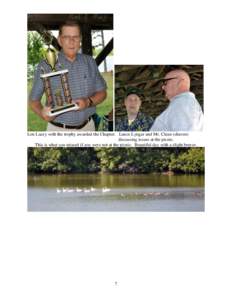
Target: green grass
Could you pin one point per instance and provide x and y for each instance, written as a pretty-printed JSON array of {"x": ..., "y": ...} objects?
[
  {"x": 35, "y": 123},
  {"x": 106, "y": 106}
]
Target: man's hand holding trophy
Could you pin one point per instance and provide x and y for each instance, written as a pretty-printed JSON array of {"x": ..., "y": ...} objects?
[{"x": 55, "y": 103}]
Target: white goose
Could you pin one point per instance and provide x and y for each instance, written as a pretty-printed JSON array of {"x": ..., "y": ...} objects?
[{"x": 105, "y": 190}]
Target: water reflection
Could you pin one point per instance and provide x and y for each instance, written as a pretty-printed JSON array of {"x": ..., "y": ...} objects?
[
  {"x": 107, "y": 192},
  {"x": 116, "y": 181}
]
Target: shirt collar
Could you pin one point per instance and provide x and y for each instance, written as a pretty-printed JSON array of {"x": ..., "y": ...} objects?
[
  {"x": 62, "y": 56},
  {"x": 181, "y": 95}
]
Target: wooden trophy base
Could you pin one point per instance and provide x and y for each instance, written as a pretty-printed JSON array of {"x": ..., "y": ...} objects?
[{"x": 62, "y": 109}]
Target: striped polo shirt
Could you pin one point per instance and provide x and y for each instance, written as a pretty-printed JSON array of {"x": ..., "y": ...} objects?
[{"x": 84, "y": 81}]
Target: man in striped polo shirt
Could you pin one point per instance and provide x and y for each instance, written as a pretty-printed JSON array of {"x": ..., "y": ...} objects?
[{"x": 87, "y": 86}]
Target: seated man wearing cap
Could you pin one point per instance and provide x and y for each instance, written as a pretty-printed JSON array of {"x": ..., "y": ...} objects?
[{"x": 135, "y": 120}]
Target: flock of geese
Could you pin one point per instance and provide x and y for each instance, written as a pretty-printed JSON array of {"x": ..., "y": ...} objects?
[
  {"x": 103, "y": 190},
  {"x": 78, "y": 190},
  {"x": 106, "y": 190}
]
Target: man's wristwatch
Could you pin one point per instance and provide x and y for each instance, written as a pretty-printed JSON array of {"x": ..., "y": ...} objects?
[{"x": 90, "y": 102}]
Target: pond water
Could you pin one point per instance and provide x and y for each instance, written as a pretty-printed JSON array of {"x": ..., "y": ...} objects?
[{"x": 104, "y": 192}]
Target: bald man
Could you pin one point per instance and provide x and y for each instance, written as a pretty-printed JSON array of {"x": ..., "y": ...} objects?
[{"x": 183, "y": 113}]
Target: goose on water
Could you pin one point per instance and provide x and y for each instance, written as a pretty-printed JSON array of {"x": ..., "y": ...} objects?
[{"x": 105, "y": 190}]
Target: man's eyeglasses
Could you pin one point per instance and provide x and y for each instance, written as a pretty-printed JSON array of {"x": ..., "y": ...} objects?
[
  {"x": 75, "y": 38},
  {"x": 165, "y": 81}
]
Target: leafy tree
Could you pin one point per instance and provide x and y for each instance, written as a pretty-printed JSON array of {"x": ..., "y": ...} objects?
[
  {"x": 192, "y": 161},
  {"x": 134, "y": 160},
  {"x": 35, "y": 50},
  {"x": 62, "y": 160},
  {"x": 115, "y": 160}
]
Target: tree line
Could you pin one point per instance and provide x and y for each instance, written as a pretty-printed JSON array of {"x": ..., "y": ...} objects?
[{"x": 116, "y": 160}]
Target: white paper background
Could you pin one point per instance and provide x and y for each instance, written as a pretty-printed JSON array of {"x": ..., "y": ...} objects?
[{"x": 149, "y": 255}]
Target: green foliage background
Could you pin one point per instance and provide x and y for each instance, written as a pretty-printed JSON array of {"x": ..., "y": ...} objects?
[
  {"x": 35, "y": 51},
  {"x": 116, "y": 160}
]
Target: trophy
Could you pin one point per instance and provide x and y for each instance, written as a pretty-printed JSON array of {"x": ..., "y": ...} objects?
[{"x": 54, "y": 98}]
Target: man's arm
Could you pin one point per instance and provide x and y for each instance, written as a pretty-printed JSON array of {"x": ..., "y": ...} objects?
[
  {"x": 94, "y": 100},
  {"x": 41, "y": 111}
]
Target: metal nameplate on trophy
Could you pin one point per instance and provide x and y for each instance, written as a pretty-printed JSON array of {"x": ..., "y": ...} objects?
[{"x": 54, "y": 98}]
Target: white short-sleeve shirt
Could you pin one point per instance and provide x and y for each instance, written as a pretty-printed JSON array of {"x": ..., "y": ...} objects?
[{"x": 184, "y": 113}]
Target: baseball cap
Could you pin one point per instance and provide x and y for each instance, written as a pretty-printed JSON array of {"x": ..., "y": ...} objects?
[{"x": 133, "y": 90}]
